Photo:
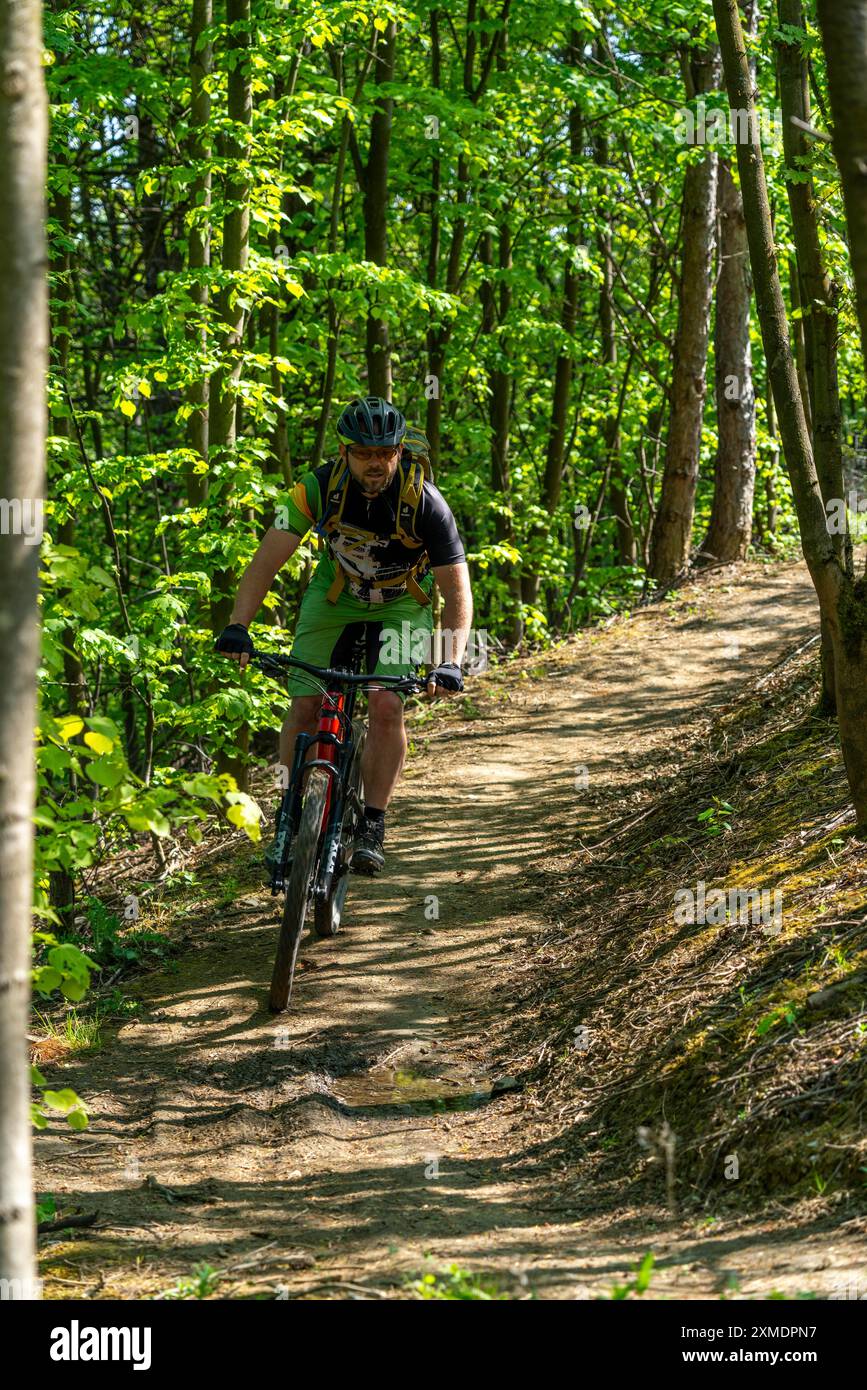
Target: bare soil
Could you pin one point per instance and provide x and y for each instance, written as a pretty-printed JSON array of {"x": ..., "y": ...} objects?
[{"x": 375, "y": 1134}]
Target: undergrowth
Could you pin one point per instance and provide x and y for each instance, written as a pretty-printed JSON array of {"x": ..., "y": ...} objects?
[{"x": 720, "y": 1059}]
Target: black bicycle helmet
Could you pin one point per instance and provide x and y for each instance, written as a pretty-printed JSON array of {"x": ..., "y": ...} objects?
[{"x": 370, "y": 420}]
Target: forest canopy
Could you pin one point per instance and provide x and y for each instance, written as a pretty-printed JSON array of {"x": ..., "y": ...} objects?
[{"x": 522, "y": 223}]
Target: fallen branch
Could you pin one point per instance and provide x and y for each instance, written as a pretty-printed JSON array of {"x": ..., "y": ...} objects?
[{"x": 60, "y": 1223}]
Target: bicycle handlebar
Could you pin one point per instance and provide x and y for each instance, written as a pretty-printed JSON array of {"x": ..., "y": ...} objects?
[{"x": 273, "y": 664}]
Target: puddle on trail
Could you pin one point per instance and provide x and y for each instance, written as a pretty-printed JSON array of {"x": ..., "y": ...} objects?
[{"x": 408, "y": 1092}]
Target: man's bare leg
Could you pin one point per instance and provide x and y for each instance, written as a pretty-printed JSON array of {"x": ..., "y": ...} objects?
[
  {"x": 381, "y": 766},
  {"x": 385, "y": 751}
]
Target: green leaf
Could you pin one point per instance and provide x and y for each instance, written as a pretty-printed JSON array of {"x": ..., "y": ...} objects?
[
  {"x": 61, "y": 1100},
  {"x": 45, "y": 979},
  {"x": 71, "y": 958},
  {"x": 146, "y": 816},
  {"x": 99, "y": 743},
  {"x": 645, "y": 1271},
  {"x": 244, "y": 813},
  {"x": 765, "y": 1024},
  {"x": 106, "y": 772},
  {"x": 53, "y": 758}
]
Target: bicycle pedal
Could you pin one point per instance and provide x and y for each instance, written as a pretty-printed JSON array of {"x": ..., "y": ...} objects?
[{"x": 366, "y": 870}]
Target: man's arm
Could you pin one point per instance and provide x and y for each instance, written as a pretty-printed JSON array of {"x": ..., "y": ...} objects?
[
  {"x": 457, "y": 614},
  {"x": 274, "y": 550}
]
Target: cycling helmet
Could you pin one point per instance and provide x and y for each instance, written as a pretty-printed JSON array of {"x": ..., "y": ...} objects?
[{"x": 370, "y": 420}]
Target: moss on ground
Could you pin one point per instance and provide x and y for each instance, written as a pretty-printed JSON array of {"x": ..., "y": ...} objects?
[{"x": 713, "y": 1032}]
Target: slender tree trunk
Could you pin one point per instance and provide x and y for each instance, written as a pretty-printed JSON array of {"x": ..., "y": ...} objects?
[
  {"x": 624, "y": 535},
  {"x": 152, "y": 222},
  {"x": 844, "y": 36},
  {"x": 552, "y": 481},
  {"x": 333, "y": 231},
  {"x": 376, "y": 212},
  {"x": 236, "y": 231},
  {"x": 23, "y": 363},
  {"x": 730, "y": 529},
  {"x": 494, "y": 312},
  {"x": 62, "y": 881},
  {"x": 672, "y": 528},
  {"x": 236, "y": 247},
  {"x": 568, "y": 309},
  {"x": 800, "y": 341},
  {"x": 624, "y": 532},
  {"x": 843, "y": 603},
  {"x": 817, "y": 294},
  {"x": 435, "y": 343},
  {"x": 201, "y": 65},
  {"x": 771, "y": 479},
  {"x": 439, "y": 333}
]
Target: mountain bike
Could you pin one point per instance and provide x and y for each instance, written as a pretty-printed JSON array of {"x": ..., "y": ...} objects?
[{"x": 321, "y": 804}]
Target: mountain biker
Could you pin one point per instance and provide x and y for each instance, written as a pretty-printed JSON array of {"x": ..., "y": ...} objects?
[{"x": 378, "y": 567}]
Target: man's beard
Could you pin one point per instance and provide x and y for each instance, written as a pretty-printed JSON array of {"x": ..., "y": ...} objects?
[{"x": 374, "y": 486}]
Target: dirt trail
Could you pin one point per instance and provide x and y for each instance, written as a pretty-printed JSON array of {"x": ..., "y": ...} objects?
[{"x": 355, "y": 1141}]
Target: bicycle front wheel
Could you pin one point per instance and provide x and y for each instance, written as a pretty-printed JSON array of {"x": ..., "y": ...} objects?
[{"x": 306, "y": 845}]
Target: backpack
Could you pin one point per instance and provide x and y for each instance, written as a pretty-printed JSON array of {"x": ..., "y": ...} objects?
[
  {"x": 415, "y": 466},
  {"x": 415, "y": 443}
]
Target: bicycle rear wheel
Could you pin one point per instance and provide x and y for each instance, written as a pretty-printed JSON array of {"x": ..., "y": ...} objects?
[
  {"x": 327, "y": 912},
  {"x": 306, "y": 845}
]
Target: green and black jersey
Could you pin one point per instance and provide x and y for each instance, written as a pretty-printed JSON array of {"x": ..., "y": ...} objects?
[{"x": 364, "y": 543}]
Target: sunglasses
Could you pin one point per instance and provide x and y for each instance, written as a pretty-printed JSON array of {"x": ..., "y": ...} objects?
[{"x": 375, "y": 455}]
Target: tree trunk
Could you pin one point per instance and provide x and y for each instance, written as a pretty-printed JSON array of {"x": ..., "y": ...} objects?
[
  {"x": 151, "y": 215},
  {"x": 843, "y": 603},
  {"x": 61, "y": 890},
  {"x": 333, "y": 228},
  {"x": 800, "y": 341},
  {"x": 672, "y": 527},
  {"x": 844, "y": 36},
  {"x": 236, "y": 231},
  {"x": 376, "y": 212},
  {"x": 435, "y": 348},
  {"x": 624, "y": 535},
  {"x": 236, "y": 247},
  {"x": 552, "y": 482},
  {"x": 568, "y": 309},
  {"x": 23, "y": 363},
  {"x": 201, "y": 65},
  {"x": 818, "y": 296},
  {"x": 731, "y": 520},
  {"x": 494, "y": 313}
]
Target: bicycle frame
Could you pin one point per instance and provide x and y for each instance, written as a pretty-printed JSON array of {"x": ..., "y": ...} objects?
[{"x": 336, "y": 745}]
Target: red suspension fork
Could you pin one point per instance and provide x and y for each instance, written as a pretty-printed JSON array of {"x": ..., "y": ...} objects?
[{"x": 329, "y": 723}]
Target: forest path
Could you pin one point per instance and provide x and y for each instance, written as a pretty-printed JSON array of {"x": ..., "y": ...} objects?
[{"x": 354, "y": 1143}]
